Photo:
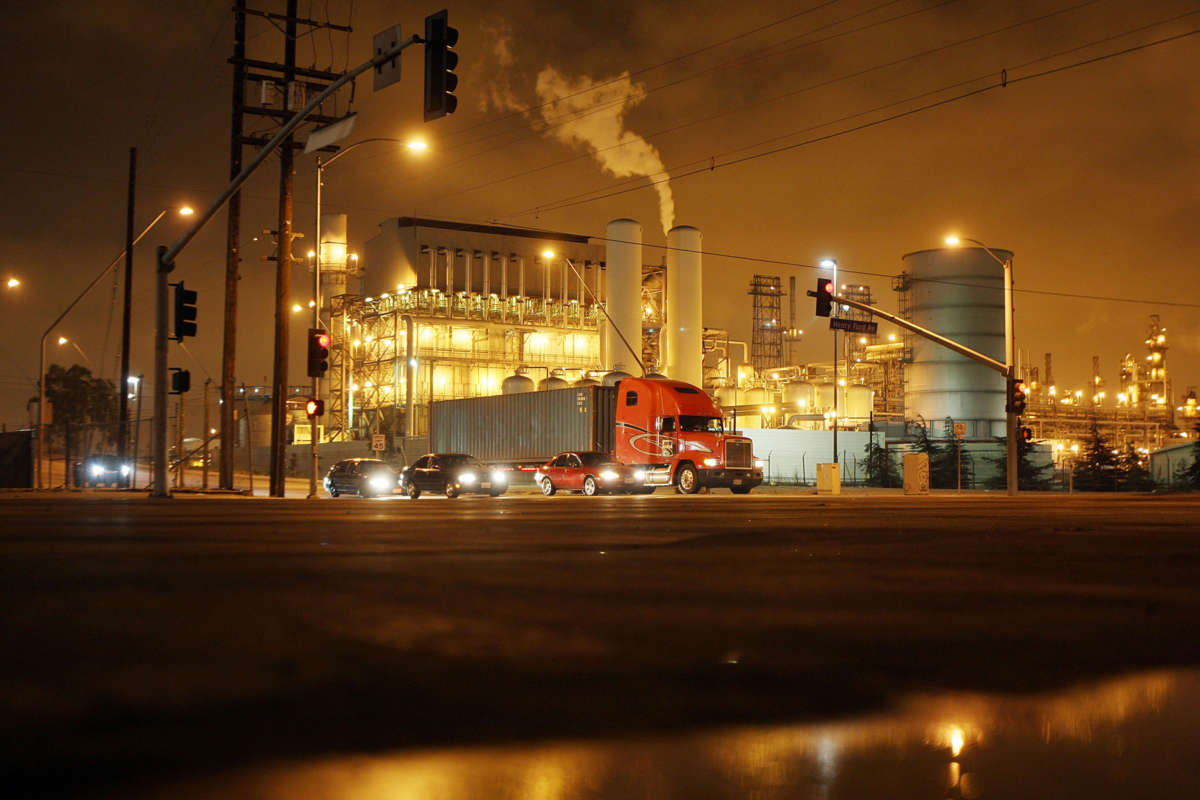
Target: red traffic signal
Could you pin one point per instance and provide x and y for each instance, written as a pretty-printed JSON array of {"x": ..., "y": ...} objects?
[
  {"x": 314, "y": 407},
  {"x": 1025, "y": 434},
  {"x": 1017, "y": 391},
  {"x": 824, "y": 297},
  {"x": 318, "y": 352}
]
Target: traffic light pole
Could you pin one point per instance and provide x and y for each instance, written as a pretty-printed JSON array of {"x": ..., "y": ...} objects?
[
  {"x": 1010, "y": 417},
  {"x": 316, "y": 323},
  {"x": 159, "y": 427}
]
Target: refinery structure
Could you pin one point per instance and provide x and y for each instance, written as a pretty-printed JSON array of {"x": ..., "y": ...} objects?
[{"x": 441, "y": 310}]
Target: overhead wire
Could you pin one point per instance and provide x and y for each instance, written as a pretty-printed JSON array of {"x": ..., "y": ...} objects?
[
  {"x": 1002, "y": 81},
  {"x": 775, "y": 98}
]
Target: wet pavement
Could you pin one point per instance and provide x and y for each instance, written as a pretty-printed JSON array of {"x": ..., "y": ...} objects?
[{"x": 666, "y": 640}]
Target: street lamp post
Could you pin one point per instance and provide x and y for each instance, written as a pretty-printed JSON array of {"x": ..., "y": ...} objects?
[
  {"x": 41, "y": 448},
  {"x": 831, "y": 263},
  {"x": 1010, "y": 417},
  {"x": 415, "y": 145}
]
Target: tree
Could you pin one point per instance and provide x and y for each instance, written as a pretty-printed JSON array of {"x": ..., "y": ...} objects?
[
  {"x": 1097, "y": 469},
  {"x": 1031, "y": 477},
  {"x": 943, "y": 465},
  {"x": 1134, "y": 472},
  {"x": 881, "y": 469},
  {"x": 79, "y": 399}
]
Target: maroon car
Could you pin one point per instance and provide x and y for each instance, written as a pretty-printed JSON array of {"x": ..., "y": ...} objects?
[{"x": 590, "y": 473}]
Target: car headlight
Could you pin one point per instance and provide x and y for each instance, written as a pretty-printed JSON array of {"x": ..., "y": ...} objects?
[
  {"x": 639, "y": 475},
  {"x": 609, "y": 475},
  {"x": 380, "y": 482},
  {"x": 759, "y": 463},
  {"x": 97, "y": 470},
  {"x": 125, "y": 469},
  {"x": 711, "y": 462},
  {"x": 499, "y": 477},
  {"x": 466, "y": 478}
]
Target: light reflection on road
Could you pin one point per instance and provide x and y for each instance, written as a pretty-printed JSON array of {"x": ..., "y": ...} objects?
[{"x": 1134, "y": 736}]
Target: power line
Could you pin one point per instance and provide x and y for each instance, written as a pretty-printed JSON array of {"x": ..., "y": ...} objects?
[
  {"x": 1002, "y": 82},
  {"x": 795, "y": 92}
]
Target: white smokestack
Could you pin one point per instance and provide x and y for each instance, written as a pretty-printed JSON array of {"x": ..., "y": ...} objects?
[
  {"x": 623, "y": 259},
  {"x": 685, "y": 353},
  {"x": 595, "y": 117}
]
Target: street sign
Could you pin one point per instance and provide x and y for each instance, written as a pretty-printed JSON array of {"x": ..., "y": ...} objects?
[
  {"x": 378, "y": 442},
  {"x": 853, "y": 325},
  {"x": 388, "y": 72},
  {"x": 960, "y": 430}
]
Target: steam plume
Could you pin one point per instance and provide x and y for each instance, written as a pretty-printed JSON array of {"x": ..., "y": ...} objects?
[{"x": 596, "y": 119}]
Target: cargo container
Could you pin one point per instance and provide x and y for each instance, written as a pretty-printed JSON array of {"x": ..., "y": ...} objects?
[{"x": 672, "y": 430}]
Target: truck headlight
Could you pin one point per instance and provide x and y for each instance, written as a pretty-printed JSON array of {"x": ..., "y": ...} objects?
[
  {"x": 609, "y": 475},
  {"x": 499, "y": 477},
  {"x": 379, "y": 482},
  {"x": 759, "y": 464},
  {"x": 466, "y": 478},
  {"x": 639, "y": 475},
  {"x": 97, "y": 470},
  {"x": 711, "y": 462},
  {"x": 125, "y": 469}
]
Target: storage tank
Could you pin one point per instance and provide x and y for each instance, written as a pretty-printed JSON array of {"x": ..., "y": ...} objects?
[
  {"x": 333, "y": 256},
  {"x": 756, "y": 397},
  {"x": 684, "y": 350},
  {"x": 552, "y": 381},
  {"x": 584, "y": 380},
  {"x": 959, "y": 293},
  {"x": 728, "y": 396},
  {"x": 798, "y": 395},
  {"x": 823, "y": 396},
  {"x": 858, "y": 402},
  {"x": 516, "y": 384},
  {"x": 623, "y": 256},
  {"x": 614, "y": 377}
]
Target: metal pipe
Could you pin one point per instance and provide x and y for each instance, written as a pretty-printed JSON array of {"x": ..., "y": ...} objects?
[
  {"x": 410, "y": 373},
  {"x": 159, "y": 427}
]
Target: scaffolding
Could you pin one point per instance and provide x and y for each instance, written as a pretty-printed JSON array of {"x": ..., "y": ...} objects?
[{"x": 766, "y": 342}]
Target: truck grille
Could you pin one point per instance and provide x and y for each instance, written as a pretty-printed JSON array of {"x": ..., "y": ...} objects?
[{"x": 737, "y": 453}]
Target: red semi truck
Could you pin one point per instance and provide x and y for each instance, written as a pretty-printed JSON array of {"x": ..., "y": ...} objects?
[{"x": 671, "y": 430}]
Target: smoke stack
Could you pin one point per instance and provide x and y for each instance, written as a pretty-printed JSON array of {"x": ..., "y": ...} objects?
[
  {"x": 624, "y": 295},
  {"x": 684, "y": 306}
]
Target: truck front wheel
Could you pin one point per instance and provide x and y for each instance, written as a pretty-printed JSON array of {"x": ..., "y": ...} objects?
[{"x": 686, "y": 480}]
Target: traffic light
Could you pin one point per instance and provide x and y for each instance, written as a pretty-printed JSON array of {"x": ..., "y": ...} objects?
[
  {"x": 1016, "y": 396},
  {"x": 314, "y": 407},
  {"x": 440, "y": 62},
  {"x": 181, "y": 380},
  {"x": 824, "y": 297},
  {"x": 1025, "y": 434},
  {"x": 318, "y": 352},
  {"x": 185, "y": 312}
]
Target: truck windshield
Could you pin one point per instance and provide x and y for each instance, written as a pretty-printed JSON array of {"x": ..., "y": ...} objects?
[{"x": 701, "y": 424}]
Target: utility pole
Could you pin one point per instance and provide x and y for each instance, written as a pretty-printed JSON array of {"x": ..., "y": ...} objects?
[
  {"x": 283, "y": 271},
  {"x": 180, "y": 456},
  {"x": 233, "y": 250},
  {"x": 159, "y": 429},
  {"x": 137, "y": 428},
  {"x": 204, "y": 474},
  {"x": 123, "y": 382}
]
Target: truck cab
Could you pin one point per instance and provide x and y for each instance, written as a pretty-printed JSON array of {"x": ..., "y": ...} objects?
[{"x": 676, "y": 433}]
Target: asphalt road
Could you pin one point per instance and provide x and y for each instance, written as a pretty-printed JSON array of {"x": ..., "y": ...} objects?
[{"x": 155, "y": 639}]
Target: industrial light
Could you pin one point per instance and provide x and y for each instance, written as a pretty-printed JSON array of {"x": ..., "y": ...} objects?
[
  {"x": 547, "y": 254},
  {"x": 13, "y": 283},
  {"x": 297, "y": 307},
  {"x": 953, "y": 241},
  {"x": 417, "y": 145},
  {"x": 186, "y": 211},
  {"x": 312, "y": 253}
]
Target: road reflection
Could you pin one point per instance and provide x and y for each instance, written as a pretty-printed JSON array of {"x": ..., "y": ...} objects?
[{"x": 1129, "y": 737}]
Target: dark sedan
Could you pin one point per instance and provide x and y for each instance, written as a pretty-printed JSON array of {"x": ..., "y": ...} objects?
[
  {"x": 590, "y": 473},
  {"x": 97, "y": 470},
  {"x": 451, "y": 474},
  {"x": 367, "y": 477}
]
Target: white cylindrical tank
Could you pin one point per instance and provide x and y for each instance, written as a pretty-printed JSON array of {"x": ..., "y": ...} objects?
[
  {"x": 333, "y": 255},
  {"x": 614, "y": 377},
  {"x": 958, "y": 292},
  {"x": 684, "y": 351},
  {"x": 728, "y": 396},
  {"x": 516, "y": 384},
  {"x": 858, "y": 402},
  {"x": 823, "y": 396},
  {"x": 755, "y": 397},
  {"x": 554, "y": 380},
  {"x": 798, "y": 396},
  {"x": 623, "y": 256}
]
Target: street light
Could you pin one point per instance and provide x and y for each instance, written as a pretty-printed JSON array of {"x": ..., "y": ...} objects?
[
  {"x": 413, "y": 145},
  {"x": 831, "y": 263},
  {"x": 41, "y": 448},
  {"x": 13, "y": 283},
  {"x": 64, "y": 340},
  {"x": 1010, "y": 426}
]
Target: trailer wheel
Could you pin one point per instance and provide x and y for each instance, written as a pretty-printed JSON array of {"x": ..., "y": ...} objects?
[
  {"x": 589, "y": 486},
  {"x": 547, "y": 487},
  {"x": 686, "y": 480}
]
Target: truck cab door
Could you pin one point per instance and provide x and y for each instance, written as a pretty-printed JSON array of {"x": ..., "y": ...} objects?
[{"x": 666, "y": 436}]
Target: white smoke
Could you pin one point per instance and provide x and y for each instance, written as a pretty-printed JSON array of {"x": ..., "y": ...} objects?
[{"x": 577, "y": 113}]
